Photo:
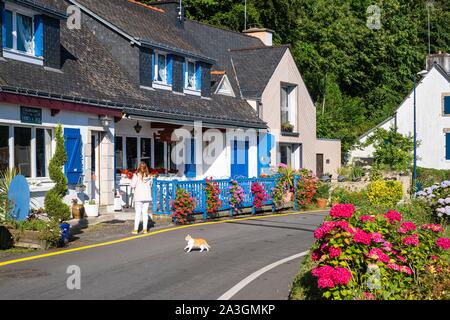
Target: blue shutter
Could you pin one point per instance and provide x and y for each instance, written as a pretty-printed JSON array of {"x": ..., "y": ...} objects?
[
  {"x": 184, "y": 74},
  {"x": 38, "y": 36},
  {"x": 169, "y": 68},
  {"x": 447, "y": 105},
  {"x": 198, "y": 76},
  {"x": 74, "y": 165},
  {"x": 447, "y": 146},
  {"x": 6, "y": 27},
  {"x": 153, "y": 65},
  {"x": 190, "y": 170}
]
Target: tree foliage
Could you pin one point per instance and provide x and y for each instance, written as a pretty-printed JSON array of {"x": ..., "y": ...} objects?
[
  {"x": 54, "y": 204},
  {"x": 392, "y": 150},
  {"x": 356, "y": 75}
]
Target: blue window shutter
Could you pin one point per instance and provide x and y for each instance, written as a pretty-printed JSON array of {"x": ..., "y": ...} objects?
[
  {"x": 184, "y": 74},
  {"x": 7, "y": 25},
  {"x": 190, "y": 170},
  {"x": 169, "y": 69},
  {"x": 38, "y": 36},
  {"x": 447, "y": 105},
  {"x": 74, "y": 165},
  {"x": 447, "y": 146},
  {"x": 198, "y": 76},
  {"x": 153, "y": 65}
]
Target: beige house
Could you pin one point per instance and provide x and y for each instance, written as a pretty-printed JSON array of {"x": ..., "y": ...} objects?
[{"x": 270, "y": 81}]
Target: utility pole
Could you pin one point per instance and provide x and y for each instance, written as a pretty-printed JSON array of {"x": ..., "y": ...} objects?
[{"x": 245, "y": 15}]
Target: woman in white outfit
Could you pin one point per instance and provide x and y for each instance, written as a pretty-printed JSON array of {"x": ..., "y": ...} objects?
[{"x": 142, "y": 186}]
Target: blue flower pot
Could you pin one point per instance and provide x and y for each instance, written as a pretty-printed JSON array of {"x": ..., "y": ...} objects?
[{"x": 65, "y": 233}]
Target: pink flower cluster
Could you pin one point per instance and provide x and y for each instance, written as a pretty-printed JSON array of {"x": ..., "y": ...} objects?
[
  {"x": 367, "y": 218},
  {"x": 328, "y": 226},
  {"x": 443, "y": 243},
  {"x": 342, "y": 211},
  {"x": 377, "y": 237},
  {"x": 378, "y": 254},
  {"x": 433, "y": 227},
  {"x": 393, "y": 216},
  {"x": 335, "y": 252},
  {"x": 362, "y": 237},
  {"x": 411, "y": 240},
  {"x": 403, "y": 269},
  {"x": 329, "y": 277},
  {"x": 406, "y": 227}
]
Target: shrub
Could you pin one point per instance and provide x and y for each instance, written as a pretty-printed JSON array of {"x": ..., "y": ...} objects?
[
  {"x": 306, "y": 191},
  {"x": 387, "y": 193},
  {"x": 437, "y": 197},
  {"x": 428, "y": 177},
  {"x": 54, "y": 205},
  {"x": 237, "y": 196},
  {"x": 379, "y": 256},
  {"x": 183, "y": 206},
  {"x": 322, "y": 190},
  {"x": 341, "y": 195},
  {"x": 213, "y": 202},
  {"x": 278, "y": 194},
  {"x": 259, "y": 195},
  {"x": 286, "y": 176},
  {"x": 6, "y": 178}
]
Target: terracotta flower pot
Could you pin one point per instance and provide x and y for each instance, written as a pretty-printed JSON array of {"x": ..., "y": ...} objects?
[{"x": 322, "y": 203}]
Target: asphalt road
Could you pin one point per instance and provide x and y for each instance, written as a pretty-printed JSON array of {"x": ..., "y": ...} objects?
[{"x": 157, "y": 268}]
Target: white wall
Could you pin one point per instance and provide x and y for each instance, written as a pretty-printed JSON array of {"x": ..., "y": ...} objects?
[{"x": 431, "y": 124}]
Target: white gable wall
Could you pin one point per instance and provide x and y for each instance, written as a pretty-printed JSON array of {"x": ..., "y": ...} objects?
[{"x": 431, "y": 124}]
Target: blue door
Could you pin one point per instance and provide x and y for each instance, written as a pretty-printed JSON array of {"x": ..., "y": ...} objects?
[
  {"x": 239, "y": 157},
  {"x": 190, "y": 170}
]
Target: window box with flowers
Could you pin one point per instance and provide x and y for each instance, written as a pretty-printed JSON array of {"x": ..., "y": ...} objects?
[{"x": 287, "y": 127}]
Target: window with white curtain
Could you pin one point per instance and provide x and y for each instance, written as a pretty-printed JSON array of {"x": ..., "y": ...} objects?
[
  {"x": 18, "y": 32},
  {"x": 190, "y": 75},
  {"x": 161, "y": 72}
]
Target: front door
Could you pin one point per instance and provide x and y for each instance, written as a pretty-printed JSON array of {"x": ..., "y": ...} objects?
[
  {"x": 95, "y": 166},
  {"x": 239, "y": 157},
  {"x": 319, "y": 165}
]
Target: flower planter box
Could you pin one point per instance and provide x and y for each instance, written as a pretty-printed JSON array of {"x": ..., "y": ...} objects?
[
  {"x": 322, "y": 203},
  {"x": 28, "y": 239}
]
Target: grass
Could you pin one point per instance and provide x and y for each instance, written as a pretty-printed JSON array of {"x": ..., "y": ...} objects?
[{"x": 305, "y": 285}]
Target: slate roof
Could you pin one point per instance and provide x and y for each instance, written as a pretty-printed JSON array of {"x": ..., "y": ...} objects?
[
  {"x": 52, "y": 7},
  {"x": 142, "y": 23},
  {"x": 91, "y": 73},
  {"x": 255, "y": 67}
]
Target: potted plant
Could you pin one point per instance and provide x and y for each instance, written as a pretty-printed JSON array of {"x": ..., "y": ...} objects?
[
  {"x": 342, "y": 174},
  {"x": 279, "y": 195},
  {"x": 286, "y": 177},
  {"x": 357, "y": 173},
  {"x": 91, "y": 208},
  {"x": 287, "y": 127},
  {"x": 56, "y": 209},
  {"x": 80, "y": 187},
  {"x": 322, "y": 194}
]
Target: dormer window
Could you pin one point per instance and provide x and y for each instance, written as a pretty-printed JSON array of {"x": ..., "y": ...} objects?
[
  {"x": 22, "y": 34},
  {"x": 161, "y": 73},
  {"x": 190, "y": 75},
  {"x": 162, "y": 70},
  {"x": 193, "y": 77}
]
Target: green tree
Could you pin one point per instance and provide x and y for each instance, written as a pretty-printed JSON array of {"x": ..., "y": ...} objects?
[
  {"x": 54, "y": 205},
  {"x": 392, "y": 150}
]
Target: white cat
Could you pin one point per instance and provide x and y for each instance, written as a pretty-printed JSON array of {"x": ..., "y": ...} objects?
[{"x": 196, "y": 244}]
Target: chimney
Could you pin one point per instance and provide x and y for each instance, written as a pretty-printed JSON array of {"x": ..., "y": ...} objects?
[
  {"x": 263, "y": 34},
  {"x": 442, "y": 59}
]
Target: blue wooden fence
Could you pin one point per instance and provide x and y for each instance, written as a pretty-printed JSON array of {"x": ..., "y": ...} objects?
[{"x": 164, "y": 192}]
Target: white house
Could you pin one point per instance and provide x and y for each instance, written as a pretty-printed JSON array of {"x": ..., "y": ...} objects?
[{"x": 433, "y": 117}]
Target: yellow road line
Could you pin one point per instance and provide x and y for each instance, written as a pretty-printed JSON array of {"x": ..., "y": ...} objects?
[{"x": 103, "y": 244}]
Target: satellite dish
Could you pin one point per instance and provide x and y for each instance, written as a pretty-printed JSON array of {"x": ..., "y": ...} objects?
[{"x": 19, "y": 197}]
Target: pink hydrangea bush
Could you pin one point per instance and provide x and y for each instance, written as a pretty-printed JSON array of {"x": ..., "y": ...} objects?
[{"x": 350, "y": 242}]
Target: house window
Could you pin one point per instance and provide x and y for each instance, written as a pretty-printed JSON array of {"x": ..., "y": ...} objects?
[
  {"x": 131, "y": 153},
  {"x": 446, "y": 106},
  {"x": 119, "y": 153},
  {"x": 43, "y": 151},
  {"x": 288, "y": 108},
  {"x": 146, "y": 151},
  {"x": 286, "y": 155},
  {"x": 447, "y": 146},
  {"x": 22, "y": 150},
  {"x": 190, "y": 75},
  {"x": 161, "y": 68},
  {"x": 4, "y": 148},
  {"x": 22, "y": 32},
  {"x": 159, "y": 154}
]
